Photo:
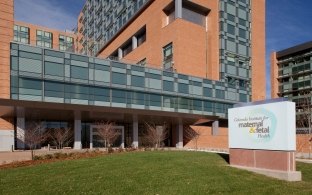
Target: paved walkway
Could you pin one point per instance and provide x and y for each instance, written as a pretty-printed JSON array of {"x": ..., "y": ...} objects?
[
  {"x": 304, "y": 160},
  {"x": 9, "y": 157}
]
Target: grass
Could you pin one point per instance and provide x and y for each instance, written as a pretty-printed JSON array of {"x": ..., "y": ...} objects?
[{"x": 147, "y": 173}]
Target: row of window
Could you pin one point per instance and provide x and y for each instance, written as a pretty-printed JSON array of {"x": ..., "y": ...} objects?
[
  {"x": 33, "y": 87},
  {"x": 43, "y": 38}
]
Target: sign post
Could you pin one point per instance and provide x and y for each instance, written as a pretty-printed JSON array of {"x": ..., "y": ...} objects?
[{"x": 262, "y": 138}]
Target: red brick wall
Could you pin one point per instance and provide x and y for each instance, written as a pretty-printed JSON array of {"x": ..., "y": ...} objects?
[{"x": 6, "y": 35}]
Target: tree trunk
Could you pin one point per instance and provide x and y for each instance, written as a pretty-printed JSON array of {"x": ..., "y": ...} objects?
[{"x": 32, "y": 154}]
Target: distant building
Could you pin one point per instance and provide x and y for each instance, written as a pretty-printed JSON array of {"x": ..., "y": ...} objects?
[
  {"x": 291, "y": 76},
  {"x": 44, "y": 37},
  {"x": 173, "y": 62}
]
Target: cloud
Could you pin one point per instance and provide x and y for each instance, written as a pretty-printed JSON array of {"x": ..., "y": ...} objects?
[{"x": 45, "y": 13}]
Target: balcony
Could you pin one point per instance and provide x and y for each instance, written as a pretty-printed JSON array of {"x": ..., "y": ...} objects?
[
  {"x": 84, "y": 20},
  {"x": 121, "y": 8},
  {"x": 98, "y": 22},
  {"x": 98, "y": 8},
  {"x": 81, "y": 29},
  {"x": 84, "y": 32},
  {"x": 91, "y": 20},
  {"x": 81, "y": 18}
]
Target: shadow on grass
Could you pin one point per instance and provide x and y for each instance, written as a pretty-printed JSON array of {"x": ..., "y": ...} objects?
[{"x": 226, "y": 157}]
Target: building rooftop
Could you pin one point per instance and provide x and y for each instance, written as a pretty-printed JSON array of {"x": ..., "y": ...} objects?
[{"x": 294, "y": 49}]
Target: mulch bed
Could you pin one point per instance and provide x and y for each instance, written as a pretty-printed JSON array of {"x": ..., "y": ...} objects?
[{"x": 73, "y": 156}]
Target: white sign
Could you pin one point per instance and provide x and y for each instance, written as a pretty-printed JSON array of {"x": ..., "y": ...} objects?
[{"x": 270, "y": 126}]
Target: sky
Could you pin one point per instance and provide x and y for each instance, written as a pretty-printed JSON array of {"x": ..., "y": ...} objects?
[{"x": 288, "y": 22}]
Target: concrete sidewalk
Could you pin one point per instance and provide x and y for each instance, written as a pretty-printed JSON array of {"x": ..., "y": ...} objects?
[
  {"x": 9, "y": 157},
  {"x": 304, "y": 160}
]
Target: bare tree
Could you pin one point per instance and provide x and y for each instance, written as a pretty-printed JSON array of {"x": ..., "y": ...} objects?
[
  {"x": 155, "y": 135},
  {"x": 191, "y": 134},
  {"x": 34, "y": 135},
  {"x": 61, "y": 136},
  {"x": 304, "y": 115},
  {"x": 106, "y": 131}
]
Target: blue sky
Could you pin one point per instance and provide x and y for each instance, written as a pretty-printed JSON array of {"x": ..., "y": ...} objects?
[
  {"x": 58, "y": 14},
  {"x": 288, "y": 22}
]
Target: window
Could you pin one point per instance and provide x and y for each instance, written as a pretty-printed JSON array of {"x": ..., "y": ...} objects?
[
  {"x": 142, "y": 62},
  {"x": 231, "y": 17},
  {"x": 231, "y": 60},
  {"x": 231, "y": 82},
  {"x": 119, "y": 78},
  {"x": 183, "y": 88},
  {"x": 219, "y": 108},
  {"x": 197, "y": 105},
  {"x": 184, "y": 103},
  {"x": 118, "y": 96},
  {"x": 79, "y": 72},
  {"x": 155, "y": 100},
  {"x": 242, "y": 83},
  {"x": 137, "y": 81},
  {"x": 193, "y": 16},
  {"x": 207, "y": 92},
  {"x": 242, "y": 22},
  {"x": 54, "y": 89},
  {"x": 44, "y": 39},
  {"x": 191, "y": 12},
  {"x": 208, "y": 106},
  {"x": 21, "y": 34},
  {"x": 79, "y": 92},
  {"x": 137, "y": 98},
  {"x": 30, "y": 87},
  {"x": 231, "y": 29},
  {"x": 127, "y": 49},
  {"x": 141, "y": 37},
  {"x": 219, "y": 94},
  {"x": 101, "y": 94},
  {"x": 168, "y": 86},
  {"x": 169, "y": 102},
  {"x": 242, "y": 33},
  {"x": 242, "y": 97},
  {"x": 168, "y": 56},
  {"x": 66, "y": 43},
  {"x": 51, "y": 68}
]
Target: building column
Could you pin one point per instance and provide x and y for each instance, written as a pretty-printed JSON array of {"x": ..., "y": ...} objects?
[
  {"x": 119, "y": 53},
  {"x": 134, "y": 42},
  {"x": 122, "y": 137},
  {"x": 91, "y": 137},
  {"x": 20, "y": 128},
  {"x": 77, "y": 130},
  {"x": 135, "y": 132},
  {"x": 179, "y": 130},
  {"x": 215, "y": 128},
  {"x": 178, "y": 8}
]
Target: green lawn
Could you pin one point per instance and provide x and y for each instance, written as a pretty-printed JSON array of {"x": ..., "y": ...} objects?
[{"x": 147, "y": 173}]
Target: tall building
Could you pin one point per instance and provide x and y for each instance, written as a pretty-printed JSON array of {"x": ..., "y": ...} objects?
[
  {"x": 174, "y": 63},
  {"x": 291, "y": 77}
]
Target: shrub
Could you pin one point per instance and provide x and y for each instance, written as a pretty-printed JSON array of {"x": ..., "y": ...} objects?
[
  {"x": 60, "y": 155},
  {"x": 110, "y": 150},
  {"x": 48, "y": 156},
  {"x": 38, "y": 157},
  {"x": 120, "y": 149}
]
